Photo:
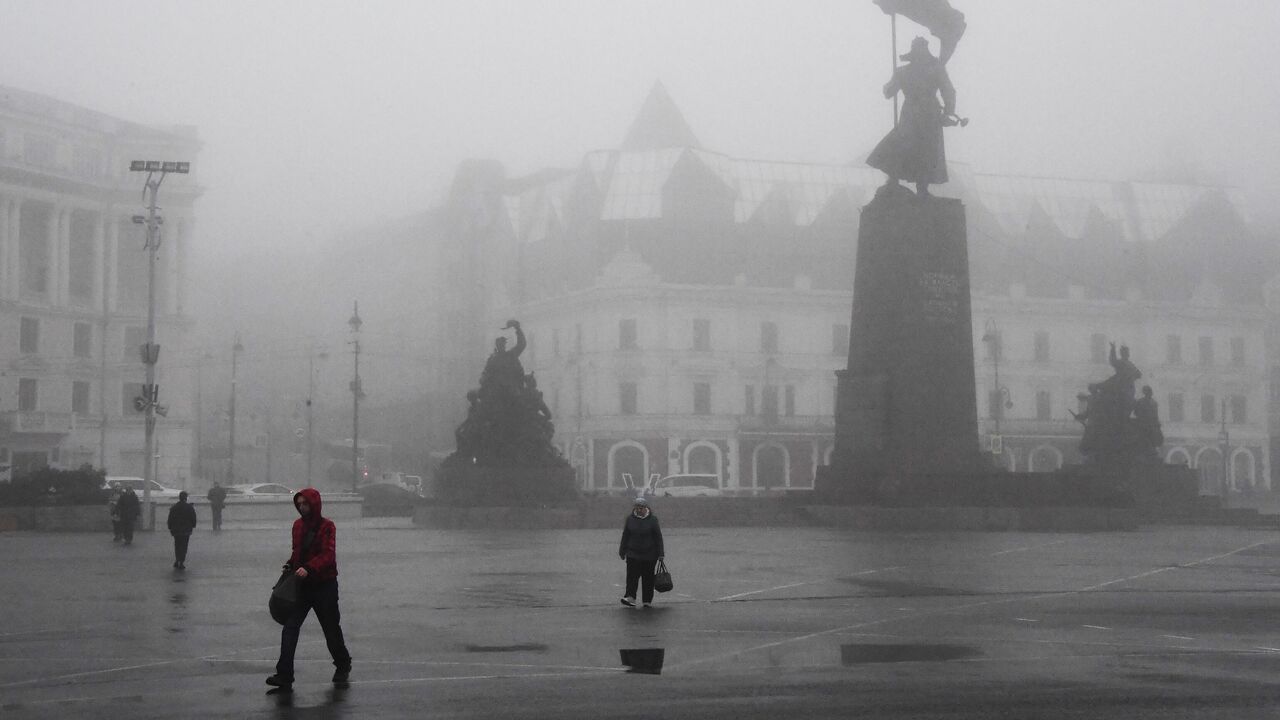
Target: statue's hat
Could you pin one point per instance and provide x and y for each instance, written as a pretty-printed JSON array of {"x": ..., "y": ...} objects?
[{"x": 919, "y": 50}]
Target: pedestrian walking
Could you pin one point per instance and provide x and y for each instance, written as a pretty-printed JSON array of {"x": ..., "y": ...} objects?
[
  {"x": 117, "y": 533},
  {"x": 641, "y": 548},
  {"x": 128, "y": 507},
  {"x": 217, "y": 498},
  {"x": 315, "y": 561},
  {"x": 182, "y": 520}
]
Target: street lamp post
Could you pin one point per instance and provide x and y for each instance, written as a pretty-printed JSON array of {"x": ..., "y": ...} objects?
[
  {"x": 311, "y": 392},
  {"x": 149, "y": 401},
  {"x": 356, "y": 392},
  {"x": 236, "y": 349},
  {"x": 991, "y": 336},
  {"x": 1224, "y": 443}
]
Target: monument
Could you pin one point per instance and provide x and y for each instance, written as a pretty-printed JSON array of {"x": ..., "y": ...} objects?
[
  {"x": 504, "y": 453},
  {"x": 906, "y": 415}
]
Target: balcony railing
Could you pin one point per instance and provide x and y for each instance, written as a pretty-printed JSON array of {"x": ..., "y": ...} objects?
[{"x": 39, "y": 421}]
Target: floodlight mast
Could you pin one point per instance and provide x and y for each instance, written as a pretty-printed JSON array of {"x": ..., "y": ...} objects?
[{"x": 150, "y": 351}]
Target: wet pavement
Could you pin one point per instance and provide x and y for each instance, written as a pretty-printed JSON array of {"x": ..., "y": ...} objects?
[{"x": 1162, "y": 622}]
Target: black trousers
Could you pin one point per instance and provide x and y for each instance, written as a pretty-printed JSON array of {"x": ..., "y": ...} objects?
[
  {"x": 640, "y": 572},
  {"x": 323, "y": 598},
  {"x": 217, "y": 516},
  {"x": 180, "y": 547},
  {"x": 126, "y": 528}
]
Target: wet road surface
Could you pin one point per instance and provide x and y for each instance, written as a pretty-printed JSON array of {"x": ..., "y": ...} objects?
[{"x": 1162, "y": 622}]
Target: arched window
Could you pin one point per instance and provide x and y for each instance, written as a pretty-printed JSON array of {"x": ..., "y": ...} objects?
[
  {"x": 771, "y": 465},
  {"x": 631, "y": 458}
]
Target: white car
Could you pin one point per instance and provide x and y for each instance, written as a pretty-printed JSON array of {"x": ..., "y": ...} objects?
[
  {"x": 259, "y": 491},
  {"x": 686, "y": 485},
  {"x": 158, "y": 491}
]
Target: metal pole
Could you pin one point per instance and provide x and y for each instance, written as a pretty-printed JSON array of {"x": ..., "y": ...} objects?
[
  {"x": 231, "y": 442},
  {"x": 355, "y": 323},
  {"x": 311, "y": 391},
  {"x": 150, "y": 353},
  {"x": 893, "y": 25}
]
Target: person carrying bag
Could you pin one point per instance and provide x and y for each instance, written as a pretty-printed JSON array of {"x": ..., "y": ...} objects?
[{"x": 641, "y": 548}]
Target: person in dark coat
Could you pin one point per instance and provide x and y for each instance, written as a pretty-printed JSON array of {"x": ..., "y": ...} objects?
[
  {"x": 913, "y": 150},
  {"x": 641, "y": 547},
  {"x": 128, "y": 507},
  {"x": 113, "y": 500},
  {"x": 315, "y": 561},
  {"x": 182, "y": 520},
  {"x": 217, "y": 498}
]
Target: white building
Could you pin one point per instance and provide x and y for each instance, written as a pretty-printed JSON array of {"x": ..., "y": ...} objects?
[{"x": 73, "y": 288}]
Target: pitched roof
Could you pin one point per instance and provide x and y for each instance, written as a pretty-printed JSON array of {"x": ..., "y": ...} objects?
[{"x": 659, "y": 124}]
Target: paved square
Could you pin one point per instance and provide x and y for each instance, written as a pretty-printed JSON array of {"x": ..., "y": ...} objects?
[{"x": 763, "y": 623}]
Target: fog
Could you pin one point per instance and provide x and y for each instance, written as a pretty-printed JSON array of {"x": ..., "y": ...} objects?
[
  {"x": 320, "y": 118},
  {"x": 316, "y": 115}
]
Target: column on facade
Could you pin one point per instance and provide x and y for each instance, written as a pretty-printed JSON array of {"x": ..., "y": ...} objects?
[
  {"x": 111, "y": 263},
  {"x": 4, "y": 246},
  {"x": 14, "y": 277},
  {"x": 99, "y": 256},
  {"x": 172, "y": 246},
  {"x": 733, "y": 464},
  {"x": 53, "y": 235},
  {"x": 64, "y": 259}
]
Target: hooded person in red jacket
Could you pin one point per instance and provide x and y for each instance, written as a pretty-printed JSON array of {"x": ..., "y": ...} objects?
[{"x": 315, "y": 561}]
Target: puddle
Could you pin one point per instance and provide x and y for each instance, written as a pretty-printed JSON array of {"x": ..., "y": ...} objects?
[
  {"x": 873, "y": 653},
  {"x": 525, "y": 647},
  {"x": 643, "y": 660}
]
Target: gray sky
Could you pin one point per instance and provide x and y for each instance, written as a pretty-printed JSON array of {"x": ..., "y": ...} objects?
[{"x": 327, "y": 114}]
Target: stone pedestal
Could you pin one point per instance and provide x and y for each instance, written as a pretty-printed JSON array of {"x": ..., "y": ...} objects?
[{"x": 905, "y": 408}]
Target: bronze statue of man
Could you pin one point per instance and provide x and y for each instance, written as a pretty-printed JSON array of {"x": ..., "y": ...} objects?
[{"x": 913, "y": 150}]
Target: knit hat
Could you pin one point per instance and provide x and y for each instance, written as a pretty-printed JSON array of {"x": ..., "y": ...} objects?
[{"x": 641, "y": 502}]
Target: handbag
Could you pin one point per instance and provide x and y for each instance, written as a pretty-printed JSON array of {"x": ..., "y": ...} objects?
[
  {"x": 662, "y": 578},
  {"x": 284, "y": 597}
]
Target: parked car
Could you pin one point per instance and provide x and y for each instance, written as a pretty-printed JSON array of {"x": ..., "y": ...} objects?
[
  {"x": 686, "y": 485},
  {"x": 259, "y": 491},
  {"x": 158, "y": 491}
]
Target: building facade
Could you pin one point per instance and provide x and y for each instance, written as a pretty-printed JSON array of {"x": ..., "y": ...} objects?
[
  {"x": 687, "y": 310},
  {"x": 74, "y": 289}
]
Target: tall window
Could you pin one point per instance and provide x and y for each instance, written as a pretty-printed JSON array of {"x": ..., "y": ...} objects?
[
  {"x": 1207, "y": 408},
  {"x": 134, "y": 338},
  {"x": 995, "y": 345},
  {"x": 749, "y": 404},
  {"x": 1173, "y": 349},
  {"x": 1206, "y": 351},
  {"x": 1044, "y": 410},
  {"x": 1177, "y": 413},
  {"x": 1098, "y": 347},
  {"x": 1238, "y": 410},
  {"x": 627, "y": 334},
  {"x": 27, "y": 393},
  {"x": 1237, "y": 351},
  {"x": 701, "y": 334},
  {"x": 769, "y": 401},
  {"x": 82, "y": 340},
  {"x": 29, "y": 336},
  {"x": 840, "y": 339},
  {"x": 701, "y": 398},
  {"x": 789, "y": 401},
  {"x": 995, "y": 405},
  {"x": 1042, "y": 346},
  {"x": 768, "y": 337},
  {"x": 80, "y": 396},
  {"x": 627, "y": 398}
]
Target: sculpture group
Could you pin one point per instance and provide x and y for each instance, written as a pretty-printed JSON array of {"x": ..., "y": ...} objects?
[
  {"x": 1119, "y": 427},
  {"x": 508, "y": 423}
]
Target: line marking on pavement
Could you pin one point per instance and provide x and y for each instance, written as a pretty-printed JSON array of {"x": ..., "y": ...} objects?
[
  {"x": 1096, "y": 627},
  {"x": 447, "y": 663},
  {"x": 158, "y": 663},
  {"x": 1268, "y": 649},
  {"x": 51, "y": 630},
  {"x": 728, "y": 598},
  {"x": 958, "y": 608},
  {"x": 1025, "y": 619},
  {"x": 1029, "y": 547},
  {"x": 1178, "y": 637}
]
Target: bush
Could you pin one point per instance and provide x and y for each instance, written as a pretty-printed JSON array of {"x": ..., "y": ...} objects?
[{"x": 48, "y": 486}]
